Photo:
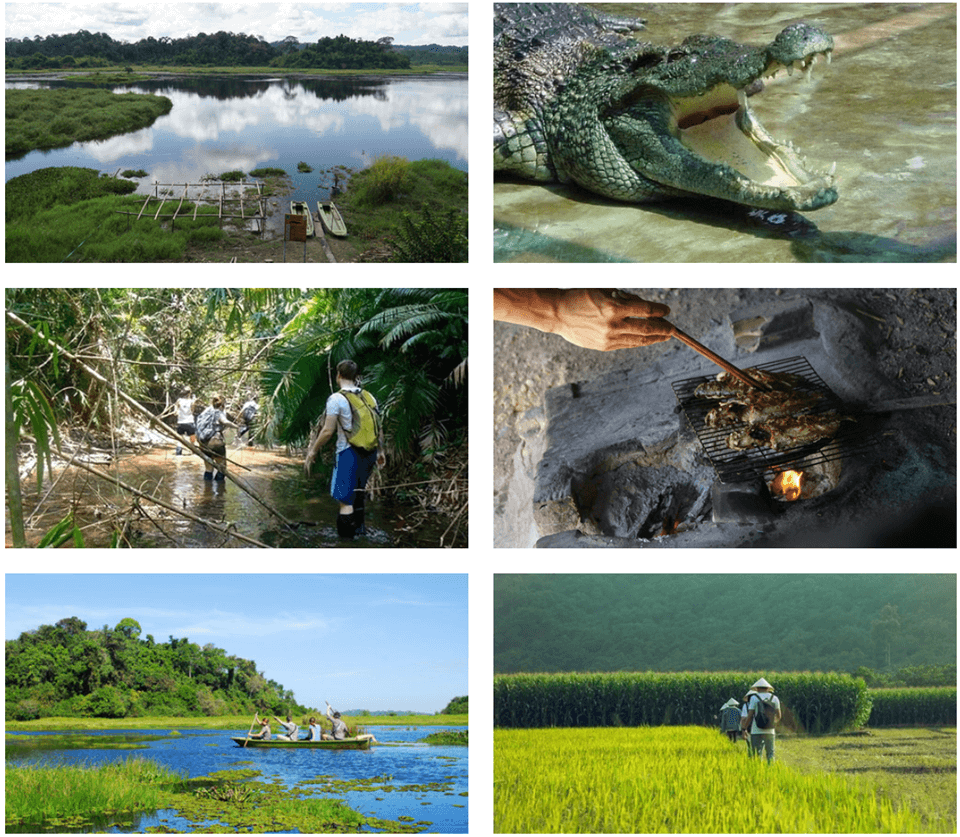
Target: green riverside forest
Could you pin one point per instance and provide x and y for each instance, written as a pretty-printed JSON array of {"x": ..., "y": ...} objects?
[
  {"x": 84, "y": 50},
  {"x": 66, "y": 670},
  {"x": 892, "y": 630}
]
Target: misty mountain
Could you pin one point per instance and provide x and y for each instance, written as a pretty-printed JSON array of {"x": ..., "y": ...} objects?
[{"x": 740, "y": 622}]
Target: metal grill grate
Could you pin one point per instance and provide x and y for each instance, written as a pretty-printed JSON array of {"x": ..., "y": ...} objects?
[{"x": 739, "y": 465}]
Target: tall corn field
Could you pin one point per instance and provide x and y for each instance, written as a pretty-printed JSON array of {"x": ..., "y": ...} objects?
[
  {"x": 812, "y": 702},
  {"x": 672, "y": 779}
]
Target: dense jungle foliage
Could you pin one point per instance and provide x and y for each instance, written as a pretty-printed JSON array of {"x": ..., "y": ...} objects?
[
  {"x": 890, "y": 629},
  {"x": 66, "y": 670},
  {"x": 279, "y": 345},
  {"x": 79, "y": 50}
]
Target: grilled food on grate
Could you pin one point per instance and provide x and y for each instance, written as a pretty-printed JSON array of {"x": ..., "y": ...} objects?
[{"x": 778, "y": 420}]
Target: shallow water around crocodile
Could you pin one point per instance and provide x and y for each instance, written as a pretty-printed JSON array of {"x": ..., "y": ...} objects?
[
  {"x": 274, "y": 476},
  {"x": 414, "y": 782},
  {"x": 884, "y": 110}
]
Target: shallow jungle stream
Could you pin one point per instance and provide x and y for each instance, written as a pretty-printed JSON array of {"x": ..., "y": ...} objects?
[
  {"x": 398, "y": 780},
  {"x": 275, "y": 477}
]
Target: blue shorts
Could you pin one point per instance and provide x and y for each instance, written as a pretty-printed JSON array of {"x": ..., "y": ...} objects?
[{"x": 351, "y": 472}]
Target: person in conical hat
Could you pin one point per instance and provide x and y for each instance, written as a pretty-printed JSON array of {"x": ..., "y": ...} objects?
[
  {"x": 730, "y": 719},
  {"x": 761, "y": 738}
]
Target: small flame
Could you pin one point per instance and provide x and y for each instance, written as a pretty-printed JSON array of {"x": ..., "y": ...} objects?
[{"x": 788, "y": 484}]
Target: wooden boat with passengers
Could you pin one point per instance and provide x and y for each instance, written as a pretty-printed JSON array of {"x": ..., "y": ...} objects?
[{"x": 342, "y": 744}]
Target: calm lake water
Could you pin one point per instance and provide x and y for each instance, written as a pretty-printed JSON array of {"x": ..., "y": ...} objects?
[
  {"x": 223, "y": 124},
  {"x": 438, "y": 775}
]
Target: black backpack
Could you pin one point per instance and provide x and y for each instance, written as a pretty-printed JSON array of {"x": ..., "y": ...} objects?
[{"x": 766, "y": 715}]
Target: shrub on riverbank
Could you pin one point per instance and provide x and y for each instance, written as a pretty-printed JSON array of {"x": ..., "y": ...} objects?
[
  {"x": 54, "y": 118},
  {"x": 389, "y": 200}
]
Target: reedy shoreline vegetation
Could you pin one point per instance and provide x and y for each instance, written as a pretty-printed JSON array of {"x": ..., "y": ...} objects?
[
  {"x": 675, "y": 779},
  {"x": 54, "y": 118},
  {"x": 224, "y": 722},
  {"x": 76, "y": 797}
]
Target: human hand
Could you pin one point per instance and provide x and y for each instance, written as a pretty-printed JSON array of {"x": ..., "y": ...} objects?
[
  {"x": 381, "y": 459},
  {"x": 606, "y": 319}
]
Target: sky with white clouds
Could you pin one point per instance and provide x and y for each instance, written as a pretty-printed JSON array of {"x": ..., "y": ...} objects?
[
  {"x": 361, "y": 641},
  {"x": 406, "y": 23}
]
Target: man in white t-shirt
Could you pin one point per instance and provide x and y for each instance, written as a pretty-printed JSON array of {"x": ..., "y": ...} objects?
[
  {"x": 762, "y": 738},
  {"x": 354, "y": 465}
]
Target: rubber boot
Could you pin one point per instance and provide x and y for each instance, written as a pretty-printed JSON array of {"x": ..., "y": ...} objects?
[
  {"x": 345, "y": 528},
  {"x": 358, "y": 525}
]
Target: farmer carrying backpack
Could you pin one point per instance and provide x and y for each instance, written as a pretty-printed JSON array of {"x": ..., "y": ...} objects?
[
  {"x": 365, "y": 431},
  {"x": 767, "y": 714}
]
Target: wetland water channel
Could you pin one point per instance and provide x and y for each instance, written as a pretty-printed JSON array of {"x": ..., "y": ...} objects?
[
  {"x": 221, "y": 124},
  {"x": 884, "y": 110},
  {"x": 274, "y": 476},
  {"x": 419, "y": 782}
]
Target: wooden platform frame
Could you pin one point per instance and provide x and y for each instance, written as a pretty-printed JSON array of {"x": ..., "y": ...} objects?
[{"x": 229, "y": 205}]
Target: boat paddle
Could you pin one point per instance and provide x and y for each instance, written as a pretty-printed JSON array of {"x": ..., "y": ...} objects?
[{"x": 245, "y": 740}]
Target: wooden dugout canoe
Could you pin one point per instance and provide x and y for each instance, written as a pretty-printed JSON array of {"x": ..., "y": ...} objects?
[
  {"x": 301, "y": 208},
  {"x": 343, "y": 744},
  {"x": 331, "y": 218}
]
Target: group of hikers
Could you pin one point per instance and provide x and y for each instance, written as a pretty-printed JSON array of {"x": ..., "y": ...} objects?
[
  {"x": 205, "y": 426},
  {"x": 351, "y": 413},
  {"x": 755, "y": 719},
  {"x": 291, "y": 732}
]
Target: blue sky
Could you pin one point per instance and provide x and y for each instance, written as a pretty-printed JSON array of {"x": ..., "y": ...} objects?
[
  {"x": 406, "y": 23},
  {"x": 362, "y": 641}
]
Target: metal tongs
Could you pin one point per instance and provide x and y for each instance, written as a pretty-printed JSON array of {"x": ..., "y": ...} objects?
[{"x": 726, "y": 365}]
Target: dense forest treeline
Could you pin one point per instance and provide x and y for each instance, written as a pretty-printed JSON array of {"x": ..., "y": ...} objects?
[
  {"x": 872, "y": 625},
  {"x": 68, "y": 671},
  {"x": 83, "y": 49}
]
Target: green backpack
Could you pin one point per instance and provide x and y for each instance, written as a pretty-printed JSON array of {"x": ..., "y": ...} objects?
[{"x": 366, "y": 420}]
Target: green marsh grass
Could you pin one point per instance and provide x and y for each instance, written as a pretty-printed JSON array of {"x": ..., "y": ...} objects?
[
  {"x": 171, "y": 723},
  {"x": 54, "y": 118},
  {"x": 674, "y": 779},
  {"x": 41, "y": 794}
]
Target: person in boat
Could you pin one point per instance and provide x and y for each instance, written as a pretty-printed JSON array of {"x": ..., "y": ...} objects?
[
  {"x": 210, "y": 426},
  {"x": 354, "y": 462},
  {"x": 291, "y": 729},
  {"x": 339, "y": 726},
  {"x": 592, "y": 318},
  {"x": 316, "y": 731},
  {"x": 248, "y": 412},
  {"x": 264, "y": 733}
]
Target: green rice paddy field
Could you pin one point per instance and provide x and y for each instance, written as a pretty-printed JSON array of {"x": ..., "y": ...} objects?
[{"x": 691, "y": 779}]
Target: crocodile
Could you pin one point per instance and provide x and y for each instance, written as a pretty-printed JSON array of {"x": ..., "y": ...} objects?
[{"x": 577, "y": 97}]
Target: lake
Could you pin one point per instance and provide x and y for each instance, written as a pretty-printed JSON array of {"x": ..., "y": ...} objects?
[
  {"x": 421, "y": 781},
  {"x": 228, "y": 123}
]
